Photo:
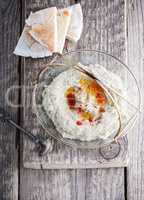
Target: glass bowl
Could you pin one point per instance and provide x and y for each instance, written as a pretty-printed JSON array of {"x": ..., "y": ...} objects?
[{"x": 86, "y": 57}]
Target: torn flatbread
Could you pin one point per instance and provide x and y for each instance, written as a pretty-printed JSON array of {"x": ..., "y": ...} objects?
[
  {"x": 43, "y": 25},
  {"x": 63, "y": 21},
  {"x": 46, "y": 30},
  {"x": 76, "y": 23},
  {"x": 28, "y": 47}
]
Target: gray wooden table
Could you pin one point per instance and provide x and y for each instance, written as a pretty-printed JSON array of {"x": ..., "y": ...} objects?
[{"x": 115, "y": 26}]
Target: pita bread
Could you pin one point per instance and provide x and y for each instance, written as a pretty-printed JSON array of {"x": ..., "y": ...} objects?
[
  {"x": 63, "y": 20},
  {"x": 76, "y": 23},
  {"x": 46, "y": 30},
  {"x": 28, "y": 47},
  {"x": 43, "y": 25}
]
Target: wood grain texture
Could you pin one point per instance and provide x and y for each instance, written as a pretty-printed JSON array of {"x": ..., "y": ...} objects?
[
  {"x": 9, "y": 33},
  {"x": 103, "y": 29},
  {"x": 135, "y": 55},
  {"x": 47, "y": 184},
  {"x": 53, "y": 184},
  {"x": 64, "y": 157}
]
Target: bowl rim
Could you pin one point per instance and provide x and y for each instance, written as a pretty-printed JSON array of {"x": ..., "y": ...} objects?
[{"x": 54, "y": 61}]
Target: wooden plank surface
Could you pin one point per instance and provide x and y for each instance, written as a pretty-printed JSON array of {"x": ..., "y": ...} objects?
[
  {"x": 70, "y": 184},
  {"x": 9, "y": 33},
  {"x": 135, "y": 52},
  {"x": 103, "y": 29}
]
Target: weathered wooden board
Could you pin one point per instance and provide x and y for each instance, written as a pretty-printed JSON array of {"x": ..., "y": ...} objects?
[
  {"x": 135, "y": 52},
  {"x": 65, "y": 157},
  {"x": 106, "y": 183},
  {"x": 9, "y": 33},
  {"x": 104, "y": 29},
  {"x": 62, "y": 156}
]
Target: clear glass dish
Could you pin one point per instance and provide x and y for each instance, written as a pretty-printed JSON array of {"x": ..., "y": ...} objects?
[{"x": 86, "y": 57}]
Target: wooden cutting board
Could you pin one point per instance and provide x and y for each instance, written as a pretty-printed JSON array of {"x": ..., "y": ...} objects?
[
  {"x": 63, "y": 157},
  {"x": 104, "y": 31}
]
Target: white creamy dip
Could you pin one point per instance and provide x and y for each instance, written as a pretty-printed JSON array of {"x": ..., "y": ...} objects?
[{"x": 56, "y": 107}]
